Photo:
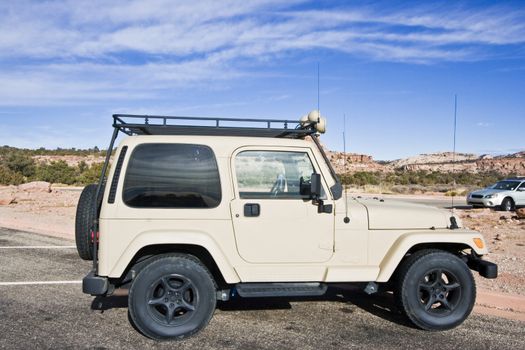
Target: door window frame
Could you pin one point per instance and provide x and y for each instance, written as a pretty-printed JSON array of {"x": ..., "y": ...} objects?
[{"x": 309, "y": 153}]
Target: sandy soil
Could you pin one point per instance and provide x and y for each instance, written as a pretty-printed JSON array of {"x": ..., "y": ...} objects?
[
  {"x": 505, "y": 236},
  {"x": 52, "y": 213},
  {"x": 41, "y": 212}
]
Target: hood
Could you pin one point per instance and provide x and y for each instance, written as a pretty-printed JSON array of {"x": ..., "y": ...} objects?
[
  {"x": 487, "y": 191},
  {"x": 387, "y": 214}
]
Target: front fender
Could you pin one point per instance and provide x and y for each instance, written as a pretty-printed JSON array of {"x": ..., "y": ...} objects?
[
  {"x": 195, "y": 238},
  {"x": 403, "y": 244}
]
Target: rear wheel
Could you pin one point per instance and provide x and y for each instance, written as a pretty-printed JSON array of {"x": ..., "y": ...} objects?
[
  {"x": 507, "y": 204},
  {"x": 435, "y": 290},
  {"x": 173, "y": 297},
  {"x": 84, "y": 218}
]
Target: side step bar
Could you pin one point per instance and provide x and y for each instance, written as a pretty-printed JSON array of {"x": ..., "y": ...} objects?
[{"x": 257, "y": 290}]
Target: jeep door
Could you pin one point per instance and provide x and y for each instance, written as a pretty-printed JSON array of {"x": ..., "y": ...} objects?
[{"x": 273, "y": 222}]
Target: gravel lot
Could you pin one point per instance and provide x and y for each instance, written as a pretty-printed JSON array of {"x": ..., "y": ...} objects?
[{"x": 60, "y": 316}]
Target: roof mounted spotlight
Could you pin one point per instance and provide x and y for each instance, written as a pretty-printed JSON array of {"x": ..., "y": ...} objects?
[
  {"x": 313, "y": 116},
  {"x": 315, "y": 121}
]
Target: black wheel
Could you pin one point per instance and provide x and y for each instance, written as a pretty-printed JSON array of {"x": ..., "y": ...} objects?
[
  {"x": 83, "y": 221},
  {"x": 435, "y": 290},
  {"x": 173, "y": 297},
  {"x": 507, "y": 204}
]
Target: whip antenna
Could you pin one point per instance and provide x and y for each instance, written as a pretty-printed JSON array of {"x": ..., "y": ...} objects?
[
  {"x": 318, "y": 108},
  {"x": 346, "y": 218},
  {"x": 454, "y": 150}
]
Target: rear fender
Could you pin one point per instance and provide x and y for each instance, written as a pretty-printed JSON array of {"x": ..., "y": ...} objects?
[{"x": 183, "y": 238}]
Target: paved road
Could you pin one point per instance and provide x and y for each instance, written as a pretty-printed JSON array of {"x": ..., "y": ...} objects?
[{"x": 60, "y": 316}]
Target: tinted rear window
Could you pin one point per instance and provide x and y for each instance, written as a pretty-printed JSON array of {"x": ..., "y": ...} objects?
[{"x": 172, "y": 176}]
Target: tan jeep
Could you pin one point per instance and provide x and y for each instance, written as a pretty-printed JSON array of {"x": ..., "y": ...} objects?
[{"x": 195, "y": 210}]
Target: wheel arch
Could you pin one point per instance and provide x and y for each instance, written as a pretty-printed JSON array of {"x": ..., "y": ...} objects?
[
  {"x": 449, "y": 241},
  {"x": 154, "y": 243},
  {"x": 145, "y": 254}
]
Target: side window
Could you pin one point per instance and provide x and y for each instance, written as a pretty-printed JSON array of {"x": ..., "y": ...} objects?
[
  {"x": 172, "y": 176},
  {"x": 272, "y": 174},
  {"x": 522, "y": 187}
]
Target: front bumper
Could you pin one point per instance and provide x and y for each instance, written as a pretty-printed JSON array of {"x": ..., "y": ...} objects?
[
  {"x": 95, "y": 285},
  {"x": 485, "y": 268},
  {"x": 486, "y": 202}
]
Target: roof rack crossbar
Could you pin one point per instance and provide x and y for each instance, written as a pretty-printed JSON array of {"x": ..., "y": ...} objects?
[{"x": 132, "y": 124}]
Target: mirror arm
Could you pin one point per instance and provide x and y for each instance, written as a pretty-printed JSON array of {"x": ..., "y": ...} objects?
[{"x": 321, "y": 207}]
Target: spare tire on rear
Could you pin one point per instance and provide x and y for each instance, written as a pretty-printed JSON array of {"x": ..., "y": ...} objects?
[{"x": 84, "y": 222}]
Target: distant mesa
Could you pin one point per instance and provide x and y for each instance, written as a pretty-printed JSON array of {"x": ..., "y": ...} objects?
[{"x": 441, "y": 161}]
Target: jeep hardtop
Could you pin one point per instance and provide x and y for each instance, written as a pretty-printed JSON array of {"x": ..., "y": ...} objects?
[{"x": 195, "y": 210}]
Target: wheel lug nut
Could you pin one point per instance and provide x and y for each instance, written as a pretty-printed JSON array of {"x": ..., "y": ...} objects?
[
  {"x": 166, "y": 300},
  {"x": 172, "y": 305}
]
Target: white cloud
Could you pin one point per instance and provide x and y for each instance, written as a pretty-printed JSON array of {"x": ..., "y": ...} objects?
[
  {"x": 63, "y": 51},
  {"x": 484, "y": 124},
  {"x": 95, "y": 28}
]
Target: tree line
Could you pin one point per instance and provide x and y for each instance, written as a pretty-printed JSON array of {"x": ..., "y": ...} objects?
[{"x": 18, "y": 166}]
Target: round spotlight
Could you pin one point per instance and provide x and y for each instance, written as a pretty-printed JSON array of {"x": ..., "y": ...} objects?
[
  {"x": 304, "y": 120},
  {"x": 320, "y": 127},
  {"x": 314, "y": 116}
]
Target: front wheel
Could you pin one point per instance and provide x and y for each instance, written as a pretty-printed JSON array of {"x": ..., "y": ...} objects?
[
  {"x": 173, "y": 297},
  {"x": 435, "y": 290},
  {"x": 507, "y": 204}
]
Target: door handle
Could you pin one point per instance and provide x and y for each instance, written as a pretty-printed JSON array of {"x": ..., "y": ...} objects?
[{"x": 252, "y": 209}]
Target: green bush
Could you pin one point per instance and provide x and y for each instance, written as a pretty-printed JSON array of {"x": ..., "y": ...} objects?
[
  {"x": 91, "y": 174},
  {"x": 21, "y": 163},
  {"x": 422, "y": 178},
  {"x": 9, "y": 177},
  {"x": 57, "y": 172}
]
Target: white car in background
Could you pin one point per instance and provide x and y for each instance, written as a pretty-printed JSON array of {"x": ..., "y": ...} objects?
[{"x": 506, "y": 195}]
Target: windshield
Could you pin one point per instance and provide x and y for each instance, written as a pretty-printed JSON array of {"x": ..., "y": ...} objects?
[{"x": 506, "y": 185}]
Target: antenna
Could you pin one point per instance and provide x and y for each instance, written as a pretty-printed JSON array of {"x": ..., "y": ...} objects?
[
  {"x": 318, "y": 108},
  {"x": 346, "y": 218},
  {"x": 454, "y": 150}
]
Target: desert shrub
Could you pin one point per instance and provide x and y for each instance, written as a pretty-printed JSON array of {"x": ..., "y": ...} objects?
[
  {"x": 19, "y": 162},
  {"x": 56, "y": 172},
  {"x": 90, "y": 174},
  {"x": 9, "y": 177},
  {"x": 432, "y": 180}
]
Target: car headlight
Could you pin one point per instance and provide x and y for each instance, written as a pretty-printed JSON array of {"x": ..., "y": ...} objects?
[{"x": 494, "y": 195}]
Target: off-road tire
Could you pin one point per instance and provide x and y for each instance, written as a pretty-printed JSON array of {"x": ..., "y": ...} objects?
[
  {"x": 84, "y": 220},
  {"x": 507, "y": 204},
  {"x": 149, "y": 301},
  {"x": 413, "y": 292}
]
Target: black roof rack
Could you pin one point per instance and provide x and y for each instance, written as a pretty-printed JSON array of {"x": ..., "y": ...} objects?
[{"x": 132, "y": 124}]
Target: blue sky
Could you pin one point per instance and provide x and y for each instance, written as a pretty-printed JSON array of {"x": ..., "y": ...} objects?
[{"x": 392, "y": 67}]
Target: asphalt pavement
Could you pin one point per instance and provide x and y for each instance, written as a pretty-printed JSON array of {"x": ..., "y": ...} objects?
[{"x": 42, "y": 307}]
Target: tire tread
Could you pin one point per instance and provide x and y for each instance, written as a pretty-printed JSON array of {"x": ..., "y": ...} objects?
[
  {"x": 400, "y": 285},
  {"x": 83, "y": 220},
  {"x": 170, "y": 257}
]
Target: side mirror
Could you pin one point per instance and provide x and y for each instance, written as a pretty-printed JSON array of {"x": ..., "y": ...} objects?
[
  {"x": 311, "y": 188},
  {"x": 315, "y": 186}
]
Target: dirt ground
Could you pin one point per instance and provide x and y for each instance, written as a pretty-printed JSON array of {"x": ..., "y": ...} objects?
[{"x": 52, "y": 213}]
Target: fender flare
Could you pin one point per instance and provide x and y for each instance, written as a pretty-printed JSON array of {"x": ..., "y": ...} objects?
[
  {"x": 404, "y": 243},
  {"x": 195, "y": 238}
]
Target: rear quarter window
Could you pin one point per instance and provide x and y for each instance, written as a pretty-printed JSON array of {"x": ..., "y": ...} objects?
[{"x": 172, "y": 176}]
